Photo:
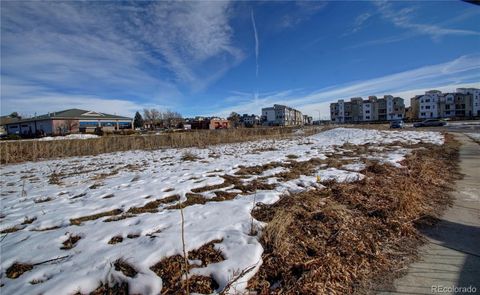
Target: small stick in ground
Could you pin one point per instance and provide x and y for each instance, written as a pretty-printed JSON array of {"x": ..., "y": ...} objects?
[{"x": 185, "y": 255}]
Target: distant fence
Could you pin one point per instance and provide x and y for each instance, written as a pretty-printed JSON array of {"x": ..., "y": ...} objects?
[{"x": 17, "y": 151}]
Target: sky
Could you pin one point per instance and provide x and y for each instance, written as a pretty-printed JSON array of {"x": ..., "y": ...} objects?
[{"x": 212, "y": 58}]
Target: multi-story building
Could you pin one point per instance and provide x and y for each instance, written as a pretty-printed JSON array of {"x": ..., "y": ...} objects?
[
  {"x": 373, "y": 109},
  {"x": 429, "y": 104},
  {"x": 435, "y": 104},
  {"x": 307, "y": 120},
  {"x": 475, "y": 93},
  {"x": 280, "y": 115},
  {"x": 250, "y": 120}
]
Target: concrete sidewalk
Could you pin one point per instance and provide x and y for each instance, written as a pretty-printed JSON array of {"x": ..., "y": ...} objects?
[{"x": 451, "y": 257}]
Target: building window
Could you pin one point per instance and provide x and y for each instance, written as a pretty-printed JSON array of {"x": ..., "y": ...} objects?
[
  {"x": 427, "y": 107},
  {"x": 367, "y": 112}
]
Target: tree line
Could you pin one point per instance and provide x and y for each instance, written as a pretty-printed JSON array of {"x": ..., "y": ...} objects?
[{"x": 154, "y": 118}]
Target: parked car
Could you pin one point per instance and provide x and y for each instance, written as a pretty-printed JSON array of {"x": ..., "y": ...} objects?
[
  {"x": 397, "y": 124},
  {"x": 430, "y": 123}
]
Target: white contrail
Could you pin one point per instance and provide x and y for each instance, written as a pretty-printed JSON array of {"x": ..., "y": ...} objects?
[{"x": 256, "y": 41}]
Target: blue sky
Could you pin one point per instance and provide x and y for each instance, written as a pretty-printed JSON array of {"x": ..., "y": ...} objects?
[{"x": 211, "y": 58}]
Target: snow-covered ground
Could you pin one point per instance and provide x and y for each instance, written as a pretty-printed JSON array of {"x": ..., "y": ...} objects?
[
  {"x": 96, "y": 184},
  {"x": 71, "y": 136}
]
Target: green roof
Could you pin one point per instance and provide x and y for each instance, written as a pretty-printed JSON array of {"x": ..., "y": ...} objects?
[{"x": 75, "y": 114}]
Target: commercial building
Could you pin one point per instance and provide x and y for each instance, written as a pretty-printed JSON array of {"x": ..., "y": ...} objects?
[
  {"x": 373, "y": 109},
  {"x": 208, "y": 123},
  {"x": 280, "y": 115},
  {"x": 68, "y": 121}
]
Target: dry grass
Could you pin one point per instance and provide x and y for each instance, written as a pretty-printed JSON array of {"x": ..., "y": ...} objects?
[
  {"x": 115, "y": 240},
  {"x": 29, "y": 220},
  {"x": 151, "y": 207},
  {"x": 21, "y": 151},
  {"x": 42, "y": 200},
  {"x": 11, "y": 229},
  {"x": 211, "y": 187},
  {"x": 117, "y": 289},
  {"x": 123, "y": 266},
  {"x": 17, "y": 269},
  {"x": 70, "y": 242},
  {"x": 79, "y": 220},
  {"x": 189, "y": 156},
  {"x": 347, "y": 238},
  {"x": 170, "y": 269}
]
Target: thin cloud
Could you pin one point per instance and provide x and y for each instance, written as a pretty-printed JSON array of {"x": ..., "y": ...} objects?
[
  {"x": 402, "y": 19},
  {"x": 303, "y": 11},
  {"x": 256, "y": 42},
  {"x": 153, "y": 50},
  {"x": 464, "y": 70}
]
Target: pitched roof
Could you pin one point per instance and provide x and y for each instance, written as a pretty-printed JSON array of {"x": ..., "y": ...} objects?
[{"x": 74, "y": 114}]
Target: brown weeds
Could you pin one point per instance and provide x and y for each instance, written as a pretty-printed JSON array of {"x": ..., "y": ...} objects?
[
  {"x": 151, "y": 207},
  {"x": 170, "y": 269},
  {"x": 79, "y": 220},
  {"x": 17, "y": 269},
  {"x": 346, "y": 238},
  {"x": 125, "y": 268},
  {"x": 70, "y": 242}
]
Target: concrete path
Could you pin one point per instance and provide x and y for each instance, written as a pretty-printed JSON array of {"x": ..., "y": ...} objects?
[{"x": 451, "y": 258}]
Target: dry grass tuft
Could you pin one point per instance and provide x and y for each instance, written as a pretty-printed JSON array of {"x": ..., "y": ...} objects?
[
  {"x": 11, "y": 229},
  {"x": 189, "y": 156},
  {"x": 115, "y": 240},
  {"x": 349, "y": 237},
  {"x": 70, "y": 242},
  {"x": 117, "y": 289},
  {"x": 125, "y": 268},
  {"x": 119, "y": 217},
  {"x": 79, "y": 220},
  {"x": 211, "y": 187},
  {"x": 192, "y": 199},
  {"x": 29, "y": 220},
  {"x": 170, "y": 269},
  {"x": 257, "y": 170},
  {"x": 42, "y": 200},
  {"x": 17, "y": 269},
  {"x": 207, "y": 253},
  {"x": 151, "y": 207}
]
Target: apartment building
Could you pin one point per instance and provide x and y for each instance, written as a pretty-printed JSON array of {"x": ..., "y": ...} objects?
[
  {"x": 373, "y": 109},
  {"x": 435, "y": 104},
  {"x": 280, "y": 115},
  {"x": 307, "y": 120},
  {"x": 475, "y": 93},
  {"x": 250, "y": 120}
]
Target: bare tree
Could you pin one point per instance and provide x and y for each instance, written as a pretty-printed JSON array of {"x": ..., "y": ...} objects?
[{"x": 148, "y": 117}]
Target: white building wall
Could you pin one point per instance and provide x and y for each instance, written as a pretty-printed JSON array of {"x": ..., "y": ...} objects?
[
  {"x": 429, "y": 105},
  {"x": 269, "y": 114}
]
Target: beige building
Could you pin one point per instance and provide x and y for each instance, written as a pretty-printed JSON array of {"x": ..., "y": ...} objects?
[
  {"x": 373, "y": 109},
  {"x": 280, "y": 115}
]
